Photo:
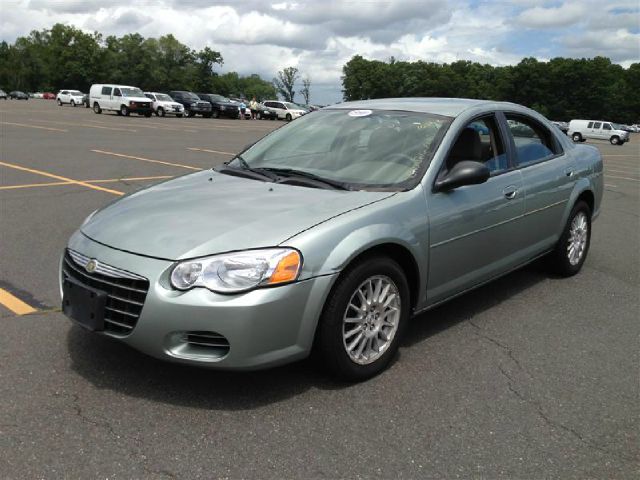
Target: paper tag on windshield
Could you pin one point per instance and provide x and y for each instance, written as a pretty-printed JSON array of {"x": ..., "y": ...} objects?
[{"x": 359, "y": 113}]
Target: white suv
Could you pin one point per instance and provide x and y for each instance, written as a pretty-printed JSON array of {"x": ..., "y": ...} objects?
[
  {"x": 285, "y": 110},
  {"x": 163, "y": 104},
  {"x": 72, "y": 97},
  {"x": 581, "y": 130}
]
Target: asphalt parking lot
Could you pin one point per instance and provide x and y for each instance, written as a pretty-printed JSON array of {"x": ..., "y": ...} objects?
[{"x": 531, "y": 376}]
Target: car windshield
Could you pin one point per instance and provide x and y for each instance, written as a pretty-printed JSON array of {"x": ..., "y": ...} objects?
[
  {"x": 190, "y": 96},
  {"x": 131, "y": 92},
  {"x": 368, "y": 148},
  {"x": 162, "y": 97},
  {"x": 220, "y": 98},
  {"x": 616, "y": 126}
]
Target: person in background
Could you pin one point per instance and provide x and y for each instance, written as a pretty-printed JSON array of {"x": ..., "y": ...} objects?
[
  {"x": 243, "y": 108},
  {"x": 253, "y": 105}
]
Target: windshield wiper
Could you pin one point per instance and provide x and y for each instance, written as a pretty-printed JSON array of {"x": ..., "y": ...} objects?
[
  {"x": 286, "y": 172},
  {"x": 244, "y": 166}
]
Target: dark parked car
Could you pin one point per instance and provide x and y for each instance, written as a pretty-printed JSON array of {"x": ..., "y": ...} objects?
[
  {"x": 220, "y": 106},
  {"x": 193, "y": 105},
  {"x": 3, "y": 94},
  {"x": 266, "y": 113},
  {"x": 564, "y": 126},
  {"x": 18, "y": 95},
  {"x": 85, "y": 100}
]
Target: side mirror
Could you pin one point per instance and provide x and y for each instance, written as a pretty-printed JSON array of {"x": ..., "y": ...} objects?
[{"x": 466, "y": 172}]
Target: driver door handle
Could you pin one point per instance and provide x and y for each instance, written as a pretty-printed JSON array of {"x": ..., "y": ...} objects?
[{"x": 510, "y": 192}]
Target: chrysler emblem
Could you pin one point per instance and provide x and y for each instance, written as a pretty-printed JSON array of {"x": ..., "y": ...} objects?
[{"x": 91, "y": 265}]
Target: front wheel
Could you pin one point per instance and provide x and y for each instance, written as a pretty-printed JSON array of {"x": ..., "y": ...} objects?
[
  {"x": 571, "y": 250},
  {"x": 96, "y": 108},
  {"x": 160, "y": 112},
  {"x": 363, "y": 319},
  {"x": 124, "y": 111},
  {"x": 59, "y": 103},
  {"x": 288, "y": 117},
  {"x": 73, "y": 103},
  {"x": 614, "y": 140}
]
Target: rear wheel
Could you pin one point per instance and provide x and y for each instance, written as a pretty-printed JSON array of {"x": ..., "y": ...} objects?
[
  {"x": 96, "y": 108},
  {"x": 615, "y": 140},
  {"x": 571, "y": 250},
  {"x": 363, "y": 319},
  {"x": 576, "y": 137},
  {"x": 124, "y": 110},
  {"x": 59, "y": 103},
  {"x": 206, "y": 115}
]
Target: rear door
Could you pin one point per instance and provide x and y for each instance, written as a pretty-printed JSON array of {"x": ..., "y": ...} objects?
[
  {"x": 548, "y": 176},
  {"x": 596, "y": 130}
]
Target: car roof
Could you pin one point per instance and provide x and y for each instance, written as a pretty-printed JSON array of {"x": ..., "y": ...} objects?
[{"x": 450, "y": 107}]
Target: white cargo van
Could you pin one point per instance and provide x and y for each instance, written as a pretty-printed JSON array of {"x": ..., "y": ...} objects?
[
  {"x": 581, "y": 130},
  {"x": 119, "y": 98}
]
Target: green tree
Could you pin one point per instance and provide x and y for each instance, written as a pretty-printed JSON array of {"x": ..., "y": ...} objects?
[
  {"x": 305, "y": 91},
  {"x": 285, "y": 82}
]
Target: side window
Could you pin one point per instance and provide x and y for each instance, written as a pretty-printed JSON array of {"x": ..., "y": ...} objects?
[
  {"x": 280, "y": 105},
  {"x": 106, "y": 91},
  {"x": 480, "y": 141},
  {"x": 64, "y": 92},
  {"x": 606, "y": 126},
  {"x": 116, "y": 92},
  {"x": 533, "y": 142},
  {"x": 597, "y": 125},
  {"x": 590, "y": 125},
  {"x": 149, "y": 96}
]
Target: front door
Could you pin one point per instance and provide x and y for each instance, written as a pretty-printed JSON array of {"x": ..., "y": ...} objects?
[{"x": 474, "y": 229}]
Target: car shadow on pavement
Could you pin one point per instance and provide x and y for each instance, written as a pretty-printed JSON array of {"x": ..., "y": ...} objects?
[
  {"x": 466, "y": 306},
  {"x": 108, "y": 364}
]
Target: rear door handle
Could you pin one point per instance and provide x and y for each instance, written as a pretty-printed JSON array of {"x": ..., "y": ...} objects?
[{"x": 510, "y": 192}]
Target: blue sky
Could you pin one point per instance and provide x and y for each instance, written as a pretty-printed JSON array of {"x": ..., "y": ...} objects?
[{"x": 318, "y": 36}]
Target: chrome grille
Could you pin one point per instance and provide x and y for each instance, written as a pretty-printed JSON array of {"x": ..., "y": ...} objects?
[{"x": 125, "y": 291}]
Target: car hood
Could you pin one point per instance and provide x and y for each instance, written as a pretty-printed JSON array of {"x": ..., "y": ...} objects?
[
  {"x": 209, "y": 212},
  {"x": 138, "y": 99},
  {"x": 166, "y": 103}
]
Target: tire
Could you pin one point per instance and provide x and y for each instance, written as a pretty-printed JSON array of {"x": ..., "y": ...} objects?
[
  {"x": 615, "y": 140},
  {"x": 335, "y": 338},
  {"x": 160, "y": 112},
  {"x": 216, "y": 114},
  {"x": 576, "y": 137},
  {"x": 73, "y": 104},
  {"x": 191, "y": 114},
  {"x": 179, "y": 115},
  {"x": 576, "y": 234},
  {"x": 258, "y": 116},
  {"x": 124, "y": 111},
  {"x": 96, "y": 108},
  {"x": 148, "y": 114},
  {"x": 59, "y": 103},
  {"x": 207, "y": 115},
  {"x": 288, "y": 117}
]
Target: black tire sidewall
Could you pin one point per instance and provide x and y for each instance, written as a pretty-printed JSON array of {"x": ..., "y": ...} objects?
[
  {"x": 329, "y": 341},
  {"x": 576, "y": 137}
]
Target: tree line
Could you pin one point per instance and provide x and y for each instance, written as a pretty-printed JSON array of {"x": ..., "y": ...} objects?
[
  {"x": 560, "y": 89},
  {"x": 67, "y": 57}
]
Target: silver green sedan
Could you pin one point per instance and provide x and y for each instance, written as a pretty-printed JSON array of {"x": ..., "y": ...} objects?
[{"x": 331, "y": 232}]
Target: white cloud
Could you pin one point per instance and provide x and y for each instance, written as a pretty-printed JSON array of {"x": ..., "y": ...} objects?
[{"x": 319, "y": 37}]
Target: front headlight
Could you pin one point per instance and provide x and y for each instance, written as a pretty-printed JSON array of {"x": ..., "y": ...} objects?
[{"x": 239, "y": 271}]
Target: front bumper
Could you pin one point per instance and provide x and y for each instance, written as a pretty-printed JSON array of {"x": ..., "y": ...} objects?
[{"x": 264, "y": 327}]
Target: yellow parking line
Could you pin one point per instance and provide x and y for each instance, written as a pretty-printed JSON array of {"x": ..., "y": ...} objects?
[
  {"x": 64, "y": 179},
  {"x": 143, "y": 159},
  {"x": 87, "y": 126},
  {"x": 14, "y": 304},
  {"x": 34, "y": 126},
  {"x": 110, "y": 180},
  {"x": 209, "y": 151}
]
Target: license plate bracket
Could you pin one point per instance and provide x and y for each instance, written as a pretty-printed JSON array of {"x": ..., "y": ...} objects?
[{"x": 83, "y": 304}]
